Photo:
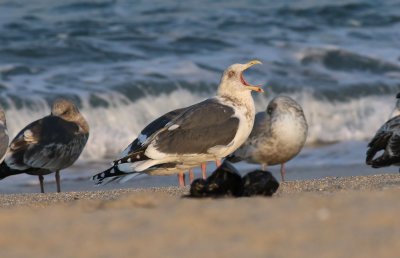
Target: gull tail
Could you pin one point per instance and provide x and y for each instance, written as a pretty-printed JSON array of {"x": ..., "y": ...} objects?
[
  {"x": 109, "y": 175},
  {"x": 6, "y": 171},
  {"x": 132, "y": 157},
  {"x": 124, "y": 168}
]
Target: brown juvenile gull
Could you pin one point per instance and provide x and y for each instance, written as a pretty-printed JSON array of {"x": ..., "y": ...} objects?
[
  {"x": 387, "y": 138},
  {"x": 278, "y": 135},
  {"x": 48, "y": 145},
  {"x": 203, "y": 132},
  {"x": 3, "y": 135}
]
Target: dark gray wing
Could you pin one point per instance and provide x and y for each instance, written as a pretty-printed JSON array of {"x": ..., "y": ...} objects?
[
  {"x": 387, "y": 138},
  {"x": 150, "y": 129},
  {"x": 199, "y": 128},
  {"x": 50, "y": 143}
]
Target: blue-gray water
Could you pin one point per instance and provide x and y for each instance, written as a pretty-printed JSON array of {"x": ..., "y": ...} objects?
[{"x": 126, "y": 62}]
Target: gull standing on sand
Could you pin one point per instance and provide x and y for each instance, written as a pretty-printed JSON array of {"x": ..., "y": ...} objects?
[
  {"x": 156, "y": 125},
  {"x": 387, "y": 138},
  {"x": 278, "y": 135},
  {"x": 203, "y": 132},
  {"x": 150, "y": 129},
  {"x": 3, "y": 135},
  {"x": 48, "y": 145}
]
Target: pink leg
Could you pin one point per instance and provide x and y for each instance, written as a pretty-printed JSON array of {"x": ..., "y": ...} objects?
[
  {"x": 263, "y": 167},
  {"x": 181, "y": 178},
  {"x": 191, "y": 175},
  {"x": 203, "y": 169},
  {"x": 283, "y": 172},
  {"x": 218, "y": 161}
]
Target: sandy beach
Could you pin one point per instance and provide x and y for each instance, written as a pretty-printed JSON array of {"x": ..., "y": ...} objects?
[{"x": 330, "y": 217}]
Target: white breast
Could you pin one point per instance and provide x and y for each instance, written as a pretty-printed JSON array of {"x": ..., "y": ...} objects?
[
  {"x": 245, "y": 114},
  {"x": 289, "y": 130}
]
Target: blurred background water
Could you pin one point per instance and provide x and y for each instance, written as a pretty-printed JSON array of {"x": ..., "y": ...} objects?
[{"x": 127, "y": 62}]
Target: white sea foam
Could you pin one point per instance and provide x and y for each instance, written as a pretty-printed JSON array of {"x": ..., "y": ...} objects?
[
  {"x": 114, "y": 127},
  {"x": 357, "y": 119}
]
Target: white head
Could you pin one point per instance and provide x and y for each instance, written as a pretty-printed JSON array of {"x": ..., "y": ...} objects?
[{"x": 233, "y": 83}]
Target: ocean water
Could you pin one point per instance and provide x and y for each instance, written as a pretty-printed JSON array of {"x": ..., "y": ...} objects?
[{"x": 126, "y": 62}]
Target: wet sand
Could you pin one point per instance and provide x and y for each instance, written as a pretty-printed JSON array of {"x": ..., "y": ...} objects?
[{"x": 331, "y": 217}]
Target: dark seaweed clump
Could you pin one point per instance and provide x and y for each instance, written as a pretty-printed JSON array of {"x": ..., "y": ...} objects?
[{"x": 226, "y": 181}]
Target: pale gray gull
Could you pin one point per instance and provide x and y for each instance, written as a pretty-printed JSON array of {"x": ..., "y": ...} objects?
[
  {"x": 48, "y": 145},
  {"x": 206, "y": 131},
  {"x": 278, "y": 135}
]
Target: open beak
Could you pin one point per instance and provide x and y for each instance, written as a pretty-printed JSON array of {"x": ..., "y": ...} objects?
[{"x": 249, "y": 86}]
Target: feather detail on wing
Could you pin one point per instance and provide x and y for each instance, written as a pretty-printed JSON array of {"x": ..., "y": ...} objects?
[
  {"x": 387, "y": 138},
  {"x": 196, "y": 130},
  {"x": 49, "y": 143}
]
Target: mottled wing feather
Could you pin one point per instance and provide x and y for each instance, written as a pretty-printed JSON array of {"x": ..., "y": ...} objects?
[
  {"x": 387, "y": 139},
  {"x": 56, "y": 156},
  {"x": 379, "y": 142},
  {"x": 19, "y": 145},
  {"x": 137, "y": 146},
  {"x": 47, "y": 143},
  {"x": 260, "y": 125},
  {"x": 394, "y": 145}
]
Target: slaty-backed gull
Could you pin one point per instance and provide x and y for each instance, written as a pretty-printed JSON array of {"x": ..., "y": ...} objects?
[
  {"x": 48, "y": 145},
  {"x": 203, "y": 132},
  {"x": 278, "y": 135},
  {"x": 150, "y": 129}
]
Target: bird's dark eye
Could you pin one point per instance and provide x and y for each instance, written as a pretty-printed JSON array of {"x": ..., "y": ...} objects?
[
  {"x": 231, "y": 74},
  {"x": 270, "y": 110}
]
